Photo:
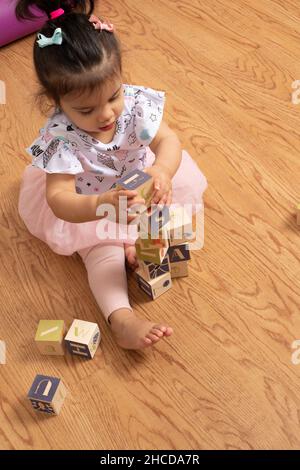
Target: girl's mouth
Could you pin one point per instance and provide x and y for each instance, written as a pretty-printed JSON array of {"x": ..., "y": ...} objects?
[{"x": 107, "y": 128}]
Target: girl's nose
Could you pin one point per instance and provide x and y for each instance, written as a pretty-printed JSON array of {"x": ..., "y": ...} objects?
[{"x": 106, "y": 114}]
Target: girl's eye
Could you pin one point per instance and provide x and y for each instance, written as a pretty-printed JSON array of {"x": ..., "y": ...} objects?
[
  {"x": 114, "y": 98},
  {"x": 85, "y": 112}
]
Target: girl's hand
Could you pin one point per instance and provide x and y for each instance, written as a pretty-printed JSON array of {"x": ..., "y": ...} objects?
[
  {"x": 113, "y": 197},
  {"x": 162, "y": 184}
]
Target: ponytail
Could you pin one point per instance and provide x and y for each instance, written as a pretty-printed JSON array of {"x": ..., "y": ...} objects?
[{"x": 85, "y": 57}]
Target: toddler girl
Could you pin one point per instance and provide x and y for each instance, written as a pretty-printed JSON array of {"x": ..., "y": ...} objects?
[{"x": 101, "y": 130}]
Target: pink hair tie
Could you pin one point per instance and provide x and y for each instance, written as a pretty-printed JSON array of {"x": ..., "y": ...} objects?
[
  {"x": 98, "y": 24},
  {"x": 56, "y": 13}
]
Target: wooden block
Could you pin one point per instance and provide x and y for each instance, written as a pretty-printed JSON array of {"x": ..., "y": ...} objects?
[
  {"x": 179, "y": 269},
  {"x": 151, "y": 271},
  {"x": 180, "y": 227},
  {"x": 83, "y": 338},
  {"x": 153, "y": 243},
  {"x": 155, "y": 287},
  {"x": 49, "y": 337},
  {"x": 153, "y": 254},
  {"x": 152, "y": 250},
  {"x": 47, "y": 394},
  {"x": 298, "y": 214},
  {"x": 179, "y": 253},
  {"x": 153, "y": 221},
  {"x": 138, "y": 181}
]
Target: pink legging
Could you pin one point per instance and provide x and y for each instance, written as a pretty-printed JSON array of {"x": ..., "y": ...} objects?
[{"x": 105, "y": 265}]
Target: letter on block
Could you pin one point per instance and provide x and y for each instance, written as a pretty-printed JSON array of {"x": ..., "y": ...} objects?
[
  {"x": 154, "y": 254},
  {"x": 148, "y": 242},
  {"x": 179, "y": 253},
  {"x": 179, "y": 269},
  {"x": 152, "y": 250},
  {"x": 47, "y": 394},
  {"x": 153, "y": 221},
  {"x": 138, "y": 181},
  {"x": 180, "y": 227},
  {"x": 152, "y": 271},
  {"x": 49, "y": 337},
  {"x": 155, "y": 287},
  {"x": 83, "y": 338}
]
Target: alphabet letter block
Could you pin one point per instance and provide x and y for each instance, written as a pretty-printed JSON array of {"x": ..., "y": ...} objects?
[
  {"x": 47, "y": 394},
  {"x": 83, "y": 338},
  {"x": 179, "y": 253},
  {"x": 180, "y": 227},
  {"x": 155, "y": 287},
  {"x": 179, "y": 269},
  {"x": 154, "y": 254},
  {"x": 49, "y": 337},
  {"x": 139, "y": 181},
  {"x": 150, "y": 270},
  {"x": 153, "y": 221},
  {"x": 152, "y": 250}
]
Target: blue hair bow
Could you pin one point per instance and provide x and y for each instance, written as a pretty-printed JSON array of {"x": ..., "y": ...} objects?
[{"x": 56, "y": 38}]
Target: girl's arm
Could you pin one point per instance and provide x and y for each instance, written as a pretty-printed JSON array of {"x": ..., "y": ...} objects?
[
  {"x": 67, "y": 205},
  {"x": 167, "y": 149}
]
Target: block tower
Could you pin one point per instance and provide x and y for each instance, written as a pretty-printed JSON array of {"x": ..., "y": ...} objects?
[{"x": 162, "y": 247}]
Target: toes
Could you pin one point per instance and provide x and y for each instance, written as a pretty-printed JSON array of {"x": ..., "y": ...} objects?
[
  {"x": 153, "y": 337},
  {"x": 157, "y": 332},
  {"x": 166, "y": 330},
  {"x": 162, "y": 328},
  {"x": 169, "y": 331},
  {"x": 147, "y": 341}
]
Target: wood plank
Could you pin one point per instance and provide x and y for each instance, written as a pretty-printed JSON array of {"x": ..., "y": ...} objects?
[{"x": 225, "y": 380}]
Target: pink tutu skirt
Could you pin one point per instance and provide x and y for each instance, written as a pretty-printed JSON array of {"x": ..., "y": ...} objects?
[{"x": 65, "y": 238}]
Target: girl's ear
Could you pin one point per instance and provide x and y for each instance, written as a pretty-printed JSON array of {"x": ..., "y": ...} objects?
[{"x": 56, "y": 106}]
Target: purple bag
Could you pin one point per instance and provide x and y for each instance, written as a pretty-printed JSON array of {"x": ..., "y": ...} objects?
[{"x": 11, "y": 28}]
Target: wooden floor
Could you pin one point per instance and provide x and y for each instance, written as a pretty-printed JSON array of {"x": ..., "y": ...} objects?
[{"x": 226, "y": 379}]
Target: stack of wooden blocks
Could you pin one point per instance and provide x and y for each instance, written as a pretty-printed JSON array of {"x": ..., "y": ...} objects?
[
  {"x": 162, "y": 247},
  {"x": 47, "y": 393}
]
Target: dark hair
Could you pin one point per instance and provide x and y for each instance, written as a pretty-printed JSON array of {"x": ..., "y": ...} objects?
[{"x": 85, "y": 59}]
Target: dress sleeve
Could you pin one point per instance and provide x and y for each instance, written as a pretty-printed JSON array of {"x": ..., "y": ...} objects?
[
  {"x": 149, "y": 105},
  {"x": 54, "y": 155}
]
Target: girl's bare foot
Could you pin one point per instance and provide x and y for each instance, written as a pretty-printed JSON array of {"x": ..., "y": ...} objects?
[
  {"x": 132, "y": 332},
  {"x": 130, "y": 253}
]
